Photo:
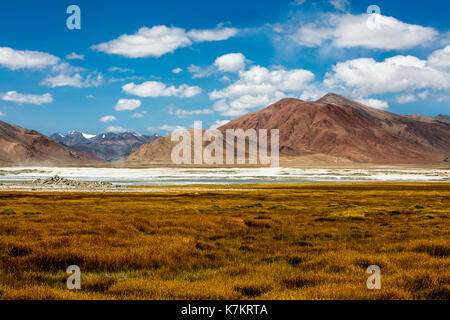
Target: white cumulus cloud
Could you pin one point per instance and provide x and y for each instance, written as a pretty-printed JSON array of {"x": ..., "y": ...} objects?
[
  {"x": 312, "y": 94},
  {"x": 406, "y": 98},
  {"x": 25, "y": 59},
  {"x": 232, "y": 62},
  {"x": 75, "y": 56},
  {"x": 127, "y": 104},
  {"x": 165, "y": 127},
  {"x": 424, "y": 94},
  {"x": 201, "y": 72},
  {"x": 374, "y": 103},
  {"x": 108, "y": 119},
  {"x": 396, "y": 74},
  {"x": 340, "y": 5},
  {"x": 115, "y": 129},
  {"x": 180, "y": 113},
  {"x": 258, "y": 87},
  {"x": 159, "y": 40},
  {"x": 14, "y": 96},
  {"x": 139, "y": 115},
  {"x": 73, "y": 80},
  {"x": 440, "y": 59},
  {"x": 114, "y": 69},
  {"x": 311, "y": 35},
  {"x": 160, "y": 89},
  {"x": 348, "y": 31},
  {"x": 147, "y": 42},
  {"x": 217, "y": 34}
]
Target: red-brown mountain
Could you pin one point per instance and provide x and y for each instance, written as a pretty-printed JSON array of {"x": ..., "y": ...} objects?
[
  {"x": 20, "y": 146},
  {"x": 335, "y": 127}
]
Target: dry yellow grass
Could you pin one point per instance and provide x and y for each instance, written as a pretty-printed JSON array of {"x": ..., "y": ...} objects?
[{"x": 279, "y": 241}]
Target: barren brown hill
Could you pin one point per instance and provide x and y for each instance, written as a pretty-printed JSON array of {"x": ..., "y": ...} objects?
[
  {"x": 431, "y": 133},
  {"x": 336, "y": 127},
  {"x": 157, "y": 150},
  {"x": 20, "y": 146},
  {"x": 160, "y": 150}
]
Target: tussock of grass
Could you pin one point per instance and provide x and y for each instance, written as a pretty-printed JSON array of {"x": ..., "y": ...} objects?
[
  {"x": 278, "y": 206},
  {"x": 441, "y": 250},
  {"x": 7, "y": 212},
  {"x": 252, "y": 291},
  {"x": 301, "y": 281},
  {"x": 98, "y": 285}
]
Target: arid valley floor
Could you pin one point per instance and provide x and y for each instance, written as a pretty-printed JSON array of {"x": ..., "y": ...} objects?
[{"x": 273, "y": 241}]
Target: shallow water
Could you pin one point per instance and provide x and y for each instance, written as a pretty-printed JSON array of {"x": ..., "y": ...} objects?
[{"x": 186, "y": 176}]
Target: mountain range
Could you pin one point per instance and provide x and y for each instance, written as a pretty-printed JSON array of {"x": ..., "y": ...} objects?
[
  {"x": 20, "y": 146},
  {"x": 331, "y": 130},
  {"x": 335, "y": 129},
  {"x": 443, "y": 117},
  {"x": 107, "y": 146}
]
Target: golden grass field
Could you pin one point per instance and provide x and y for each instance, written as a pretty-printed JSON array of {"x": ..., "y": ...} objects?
[{"x": 279, "y": 241}]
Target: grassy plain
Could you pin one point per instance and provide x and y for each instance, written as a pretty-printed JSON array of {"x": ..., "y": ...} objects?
[{"x": 278, "y": 241}]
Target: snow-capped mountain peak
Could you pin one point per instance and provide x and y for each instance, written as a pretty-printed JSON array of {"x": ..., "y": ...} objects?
[
  {"x": 108, "y": 146},
  {"x": 87, "y": 136}
]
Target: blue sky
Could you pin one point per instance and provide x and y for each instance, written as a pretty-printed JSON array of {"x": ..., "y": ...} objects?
[{"x": 151, "y": 66}]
